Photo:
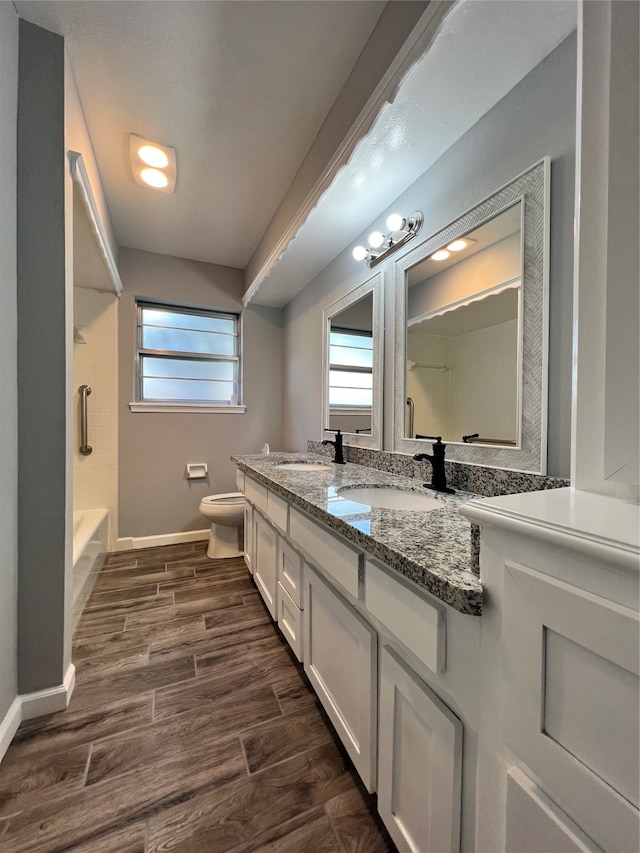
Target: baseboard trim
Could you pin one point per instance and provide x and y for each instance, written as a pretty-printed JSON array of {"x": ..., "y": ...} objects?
[
  {"x": 129, "y": 542},
  {"x": 48, "y": 701},
  {"x": 36, "y": 704},
  {"x": 9, "y": 725}
]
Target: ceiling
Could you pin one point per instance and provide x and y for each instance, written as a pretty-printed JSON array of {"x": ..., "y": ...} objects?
[
  {"x": 239, "y": 89},
  {"x": 481, "y": 51}
]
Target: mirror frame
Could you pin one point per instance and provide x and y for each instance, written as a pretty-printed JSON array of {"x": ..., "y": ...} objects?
[
  {"x": 375, "y": 286},
  {"x": 530, "y": 455}
]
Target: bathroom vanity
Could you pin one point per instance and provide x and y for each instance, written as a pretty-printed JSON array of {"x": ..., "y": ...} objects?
[{"x": 427, "y": 674}]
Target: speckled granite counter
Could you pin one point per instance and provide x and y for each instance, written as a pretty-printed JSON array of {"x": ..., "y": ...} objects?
[{"x": 435, "y": 549}]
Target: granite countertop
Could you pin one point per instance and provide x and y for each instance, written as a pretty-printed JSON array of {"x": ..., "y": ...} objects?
[{"x": 435, "y": 549}]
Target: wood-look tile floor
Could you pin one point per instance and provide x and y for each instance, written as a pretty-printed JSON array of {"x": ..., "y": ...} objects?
[{"x": 191, "y": 728}]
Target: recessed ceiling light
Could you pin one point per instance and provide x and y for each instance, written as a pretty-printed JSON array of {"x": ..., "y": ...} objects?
[
  {"x": 440, "y": 255},
  {"x": 152, "y": 165},
  {"x": 153, "y": 156},
  {"x": 459, "y": 245},
  {"x": 154, "y": 178}
]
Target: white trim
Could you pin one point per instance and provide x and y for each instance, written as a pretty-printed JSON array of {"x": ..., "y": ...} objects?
[
  {"x": 186, "y": 408},
  {"x": 409, "y": 54},
  {"x": 9, "y": 725},
  {"x": 79, "y": 175},
  {"x": 127, "y": 543},
  {"x": 52, "y": 699}
]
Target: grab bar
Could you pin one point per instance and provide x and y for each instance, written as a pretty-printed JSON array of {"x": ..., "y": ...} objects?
[
  {"x": 411, "y": 405},
  {"x": 85, "y": 448}
]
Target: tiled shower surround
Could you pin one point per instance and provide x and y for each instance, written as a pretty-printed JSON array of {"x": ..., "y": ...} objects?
[{"x": 487, "y": 482}]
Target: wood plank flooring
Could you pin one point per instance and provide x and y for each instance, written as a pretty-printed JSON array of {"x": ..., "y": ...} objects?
[{"x": 191, "y": 728}]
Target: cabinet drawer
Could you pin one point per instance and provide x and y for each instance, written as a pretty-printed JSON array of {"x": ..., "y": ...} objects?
[
  {"x": 290, "y": 571},
  {"x": 255, "y": 493},
  {"x": 339, "y": 560},
  {"x": 278, "y": 511},
  {"x": 240, "y": 480},
  {"x": 290, "y": 621},
  {"x": 419, "y": 624}
]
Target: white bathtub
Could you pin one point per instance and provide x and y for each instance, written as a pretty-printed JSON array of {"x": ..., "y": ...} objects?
[{"x": 90, "y": 542}]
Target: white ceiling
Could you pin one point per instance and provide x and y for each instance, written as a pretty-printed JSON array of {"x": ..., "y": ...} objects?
[
  {"x": 239, "y": 89},
  {"x": 482, "y": 50}
]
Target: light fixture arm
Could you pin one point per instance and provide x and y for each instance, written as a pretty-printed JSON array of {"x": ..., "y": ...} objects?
[{"x": 412, "y": 225}]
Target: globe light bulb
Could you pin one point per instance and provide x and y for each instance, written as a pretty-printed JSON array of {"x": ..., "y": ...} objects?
[
  {"x": 154, "y": 178},
  {"x": 395, "y": 222},
  {"x": 153, "y": 156},
  {"x": 360, "y": 253},
  {"x": 440, "y": 255},
  {"x": 376, "y": 239}
]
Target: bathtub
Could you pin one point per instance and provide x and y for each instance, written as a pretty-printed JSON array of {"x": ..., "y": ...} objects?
[{"x": 90, "y": 542}]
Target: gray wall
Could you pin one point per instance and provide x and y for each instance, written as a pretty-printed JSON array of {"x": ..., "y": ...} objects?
[
  {"x": 154, "y": 449},
  {"x": 8, "y": 364},
  {"x": 535, "y": 119},
  {"x": 41, "y": 359}
]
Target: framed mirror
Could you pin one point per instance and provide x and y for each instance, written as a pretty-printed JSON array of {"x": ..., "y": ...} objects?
[
  {"x": 471, "y": 317},
  {"x": 352, "y": 365}
]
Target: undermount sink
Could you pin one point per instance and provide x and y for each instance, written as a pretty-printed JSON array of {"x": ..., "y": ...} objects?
[
  {"x": 304, "y": 466},
  {"x": 383, "y": 497}
]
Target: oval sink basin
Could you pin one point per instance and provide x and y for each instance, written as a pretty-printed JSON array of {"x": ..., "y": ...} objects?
[
  {"x": 304, "y": 466},
  {"x": 390, "y": 498}
]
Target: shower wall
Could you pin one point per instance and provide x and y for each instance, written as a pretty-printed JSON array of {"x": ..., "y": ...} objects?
[{"x": 95, "y": 363}]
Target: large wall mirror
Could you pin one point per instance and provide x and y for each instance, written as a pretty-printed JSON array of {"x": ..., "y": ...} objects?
[
  {"x": 352, "y": 361},
  {"x": 471, "y": 314}
]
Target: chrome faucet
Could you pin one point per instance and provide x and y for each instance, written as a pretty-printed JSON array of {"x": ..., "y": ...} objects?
[
  {"x": 338, "y": 456},
  {"x": 438, "y": 476}
]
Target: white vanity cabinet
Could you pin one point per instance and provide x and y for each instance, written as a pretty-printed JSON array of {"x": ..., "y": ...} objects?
[
  {"x": 340, "y": 661},
  {"x": 419, "y": 761},
  {"x": 248, "y": 536},
  {"x": 265, "y": 562}
]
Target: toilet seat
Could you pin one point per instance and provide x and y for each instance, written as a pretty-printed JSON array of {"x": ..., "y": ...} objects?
[{"x": 227, "y": 499}]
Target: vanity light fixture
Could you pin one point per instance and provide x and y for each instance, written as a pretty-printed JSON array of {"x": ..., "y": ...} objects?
[
  {"x": 401, "y": 230},
  {"x": 153, "y": 165}
]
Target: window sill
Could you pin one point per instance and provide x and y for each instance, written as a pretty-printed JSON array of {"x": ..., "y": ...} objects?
[{"x": 186, "y": 408}]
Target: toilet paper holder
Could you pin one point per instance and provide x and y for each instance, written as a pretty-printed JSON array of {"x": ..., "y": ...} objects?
[{"x": 196, "y": 470}]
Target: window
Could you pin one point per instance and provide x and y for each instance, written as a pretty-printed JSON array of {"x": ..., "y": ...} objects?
[
  {"x": 350, "y": 369},
  {"x": 187, "y": 356}
]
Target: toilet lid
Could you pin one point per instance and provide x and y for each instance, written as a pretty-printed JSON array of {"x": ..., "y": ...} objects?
[{"x": 232, "y": 498}]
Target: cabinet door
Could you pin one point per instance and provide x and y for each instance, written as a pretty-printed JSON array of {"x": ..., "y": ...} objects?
[
  {"x": 571, "y": 671},
  {"x": 248, "y": 536},
  {"x": 265, "y": 562},
  {"x": 419, "y": 761},
  {"x": 340, "y": 650},
  {"x": 534, "y": 822}
]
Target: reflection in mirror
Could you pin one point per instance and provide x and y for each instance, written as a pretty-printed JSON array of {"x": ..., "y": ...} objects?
[
  {"x": 472, "y": 323},
  {"x": 352, "y": 365},
  {"x": 462, "y": 365}
]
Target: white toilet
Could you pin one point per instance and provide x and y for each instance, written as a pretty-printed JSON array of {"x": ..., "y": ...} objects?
[{"x": 225, "y": 513}]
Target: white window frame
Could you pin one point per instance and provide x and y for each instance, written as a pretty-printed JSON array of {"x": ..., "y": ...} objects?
[{"x": 141, "y": 405}]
